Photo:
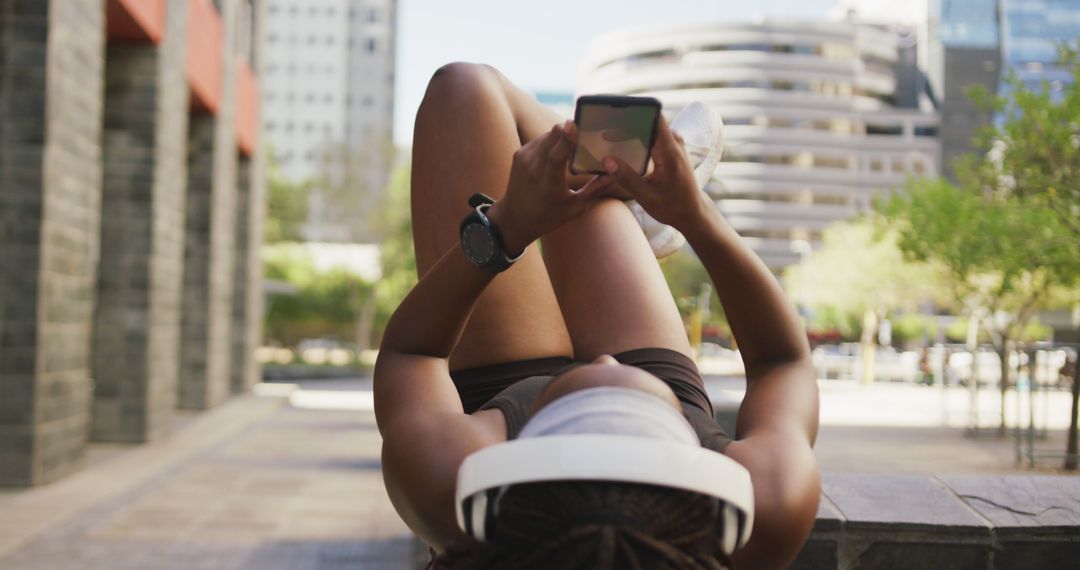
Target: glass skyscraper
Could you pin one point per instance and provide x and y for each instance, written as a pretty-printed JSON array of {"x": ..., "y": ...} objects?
[
  {"x": 1031, "y": 30},
  {"x": 984, "y": 42},
  {"x": 968, "y": 23}
]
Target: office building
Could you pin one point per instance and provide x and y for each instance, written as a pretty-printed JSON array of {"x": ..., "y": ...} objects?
[
  {"x": 329, "y": 106},
  {"x": 820, "y": 117},
  {"x": 963, "y": 43}
]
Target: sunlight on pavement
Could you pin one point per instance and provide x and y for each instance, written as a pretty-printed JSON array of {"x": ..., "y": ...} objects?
[{"x": 357, "y": 400}]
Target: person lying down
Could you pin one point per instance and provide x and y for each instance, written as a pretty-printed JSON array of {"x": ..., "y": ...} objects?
[{"x": 535, "y": 391}]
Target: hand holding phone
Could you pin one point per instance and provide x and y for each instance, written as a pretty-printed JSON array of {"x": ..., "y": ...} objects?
[{"x": 614, "y": 125}]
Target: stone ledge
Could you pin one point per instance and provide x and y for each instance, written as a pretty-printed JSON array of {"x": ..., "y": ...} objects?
[
  {"x": 955, "y": 521},
  {"x": 960, "y": 522}
]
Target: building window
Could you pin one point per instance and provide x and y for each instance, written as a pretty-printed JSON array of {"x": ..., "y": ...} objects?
[
  {"x": 270, "y": 125},
  {"x": 372, "y": 15},
  {"x": 371, "y": 45},
  {"x": 369, "y": 100}
]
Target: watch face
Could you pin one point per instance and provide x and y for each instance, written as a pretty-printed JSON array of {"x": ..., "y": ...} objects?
[{"x": 479, "y": 243}]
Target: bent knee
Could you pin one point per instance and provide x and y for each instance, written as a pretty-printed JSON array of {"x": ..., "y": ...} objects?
[{"x": 461, "y": 76}]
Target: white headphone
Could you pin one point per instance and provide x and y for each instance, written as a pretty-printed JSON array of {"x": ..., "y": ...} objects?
[{"x": 485, "y": 475}]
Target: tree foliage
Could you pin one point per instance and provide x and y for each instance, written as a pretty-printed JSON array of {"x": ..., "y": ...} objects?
[
  {"x": 396, "y": 253},
  {"x": 324, "y": 304},
  {"x": 1000, "y": 233},
  {"x": 860, "y": 268},
  {"x": 1003, "y": 256},
  {"x": 286, "y": 206},
  {"x": 1035, "y": 149}
]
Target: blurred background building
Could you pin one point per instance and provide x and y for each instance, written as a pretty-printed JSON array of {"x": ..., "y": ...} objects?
[
  {"x": 819, "y": 116},
  {"x": 963, "y": 43},
  {"x": 329, "y": 100},
  {"x": 131, "y": 179},
  {"x": 822, "y": 116}
]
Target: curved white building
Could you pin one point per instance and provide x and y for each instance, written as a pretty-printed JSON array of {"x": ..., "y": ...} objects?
[{"x": 812, "y": 127}]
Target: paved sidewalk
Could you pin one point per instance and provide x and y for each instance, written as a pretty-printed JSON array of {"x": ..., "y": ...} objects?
[
  {"x": 257, "y": 483},
  {"x": 913, "y": 429},
  {"x": 292, "y": 481}
]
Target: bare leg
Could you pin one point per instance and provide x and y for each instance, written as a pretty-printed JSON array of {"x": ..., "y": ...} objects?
[
  {"x": 600, "y": 287},
  {"x": 612, "y": 293},
  {"x": 465, "y": 136}
]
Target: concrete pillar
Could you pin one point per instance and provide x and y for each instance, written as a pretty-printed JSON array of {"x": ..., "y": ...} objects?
[
  {"x": 206, "y": 345},
  {"x": 51, "y": 90},
  {"x": 137, "y": 327}
]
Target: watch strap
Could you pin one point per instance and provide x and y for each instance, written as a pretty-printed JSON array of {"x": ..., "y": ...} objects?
[{"x": 500, "y": 260}]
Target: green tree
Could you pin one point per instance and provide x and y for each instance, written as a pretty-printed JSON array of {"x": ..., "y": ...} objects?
[
  {"x": 1036, "y": 156},
  {"x": 352, "y": 181},
  {"x": 1002, "y": 256},
  {"x": 396, "y": 253},
  {"x": 1036, "y": 148},
  {"x": 860, "y": 273},
  {"x": 286, "y": 205},
  {"x": 327, "y": 303}
]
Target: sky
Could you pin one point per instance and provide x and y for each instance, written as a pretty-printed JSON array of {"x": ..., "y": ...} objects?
[{"x": 538, "y": 44}]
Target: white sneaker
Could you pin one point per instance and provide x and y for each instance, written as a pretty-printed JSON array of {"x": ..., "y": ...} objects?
[{"x": 702, "y": 132}]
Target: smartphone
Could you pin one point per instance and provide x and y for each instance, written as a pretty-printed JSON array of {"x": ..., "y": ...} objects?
[{"x": 616, "y": 125}]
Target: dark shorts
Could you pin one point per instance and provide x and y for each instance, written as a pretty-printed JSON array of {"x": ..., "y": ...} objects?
[{"x": 478, "y": 385}]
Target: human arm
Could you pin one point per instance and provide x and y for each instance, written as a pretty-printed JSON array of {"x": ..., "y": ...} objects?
[
  {"x": 426, "y": 433},
  {"x": 778, "y": 419}
]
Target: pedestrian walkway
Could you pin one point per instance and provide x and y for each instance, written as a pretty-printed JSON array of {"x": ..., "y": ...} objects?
[
  {"x": 258, "y": 483},
  {"x": 289, "y": 479}
]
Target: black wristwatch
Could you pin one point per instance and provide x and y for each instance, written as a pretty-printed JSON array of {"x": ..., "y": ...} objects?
[{"x": 481, "y": 240}]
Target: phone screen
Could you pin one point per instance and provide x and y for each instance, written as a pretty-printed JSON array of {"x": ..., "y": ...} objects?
[{"x": 614, "y": 125}]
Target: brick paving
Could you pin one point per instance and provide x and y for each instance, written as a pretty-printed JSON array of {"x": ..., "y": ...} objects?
[{"x": 257, "y": 483}]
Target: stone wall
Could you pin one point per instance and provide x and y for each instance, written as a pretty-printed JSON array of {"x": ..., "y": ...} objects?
[
  {"x": 247, "y": 280},
  {"x": 1017, "y": 522},
  {"x": 51, "y": 91},
  {"x": 206, "y": 346},
  {"x": 137, "y": 342},
  {"x": 111, "y": 191}
]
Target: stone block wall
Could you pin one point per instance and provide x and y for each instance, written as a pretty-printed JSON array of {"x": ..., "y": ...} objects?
[
  {"x": 119, "y": 214},
  {"x": 206, "y": 346},
  {"x": 247, "y": 281},
  {"x": 51, "y": 93},
  {"x": 974, "y": 522},
  {"x": 137, "y": 342}
]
